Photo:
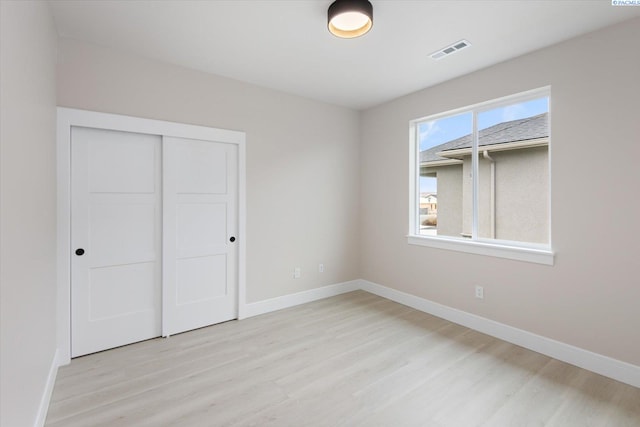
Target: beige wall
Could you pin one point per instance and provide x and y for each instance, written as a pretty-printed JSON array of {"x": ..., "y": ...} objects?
[
  {"x": 27, "y": 208},
  {"x": 590, "y": 297},
  {"x": 302, "y": 158},
  {"x": 307, "y": 172},
  {"x": 522, "y": 195},
  {"x": 449, "y": 200}
]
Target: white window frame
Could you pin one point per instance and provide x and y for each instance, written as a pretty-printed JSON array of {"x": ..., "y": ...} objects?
[{"x": 521, "y": 251}]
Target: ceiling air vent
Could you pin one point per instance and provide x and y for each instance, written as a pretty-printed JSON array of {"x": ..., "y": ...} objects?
[{"x": 450, "y": 49}]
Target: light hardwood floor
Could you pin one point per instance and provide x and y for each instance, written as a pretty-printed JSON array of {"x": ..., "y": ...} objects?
[{"x": 352, "y": 360}]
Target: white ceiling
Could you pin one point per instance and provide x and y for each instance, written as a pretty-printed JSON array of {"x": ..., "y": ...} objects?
[{"x": 285, "y": 45}]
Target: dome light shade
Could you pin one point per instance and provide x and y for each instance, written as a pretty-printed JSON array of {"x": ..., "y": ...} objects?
[{"x": 350, "y": 18}]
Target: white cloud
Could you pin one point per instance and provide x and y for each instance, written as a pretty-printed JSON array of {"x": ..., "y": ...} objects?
[
  {"x": 514, "y": 112},
  {"x": 428, "y": 129}
]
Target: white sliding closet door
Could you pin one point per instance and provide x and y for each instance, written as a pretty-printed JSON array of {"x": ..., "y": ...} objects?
[
  {"x": 200, "y": 187},
  {"x": 116, "y": 239}
]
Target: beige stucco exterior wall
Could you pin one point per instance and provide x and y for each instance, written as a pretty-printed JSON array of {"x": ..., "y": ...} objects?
[
  {"x": 522, "y": 195},
  {"x": 589, "y": 298},
  {"x": 449, "y": 200}
]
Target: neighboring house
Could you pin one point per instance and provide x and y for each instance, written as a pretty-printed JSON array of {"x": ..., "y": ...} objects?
[
  {"x": 428, "y": 203},
  {"x": 428, "y": 213},
  {"x": 513, "y": 182}
]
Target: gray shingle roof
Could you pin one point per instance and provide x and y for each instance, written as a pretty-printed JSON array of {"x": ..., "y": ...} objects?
[{"x": 516, "y": 130}]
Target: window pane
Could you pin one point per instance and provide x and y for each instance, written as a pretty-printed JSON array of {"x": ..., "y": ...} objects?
[
  {"x": 444, "y": 159},
  {"x": 513, "y": 166}
]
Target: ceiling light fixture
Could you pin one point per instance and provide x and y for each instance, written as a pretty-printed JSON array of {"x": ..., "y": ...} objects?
[{"x": 350, "y": 18}]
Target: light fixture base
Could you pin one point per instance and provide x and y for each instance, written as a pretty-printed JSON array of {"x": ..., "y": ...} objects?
[{"x": 348, "y": 19}]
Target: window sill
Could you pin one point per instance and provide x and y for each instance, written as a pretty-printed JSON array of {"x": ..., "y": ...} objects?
[{"x": 538, "y": 256}]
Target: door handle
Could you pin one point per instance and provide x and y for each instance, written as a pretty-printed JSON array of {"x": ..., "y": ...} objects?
[{"x": 79, "y": 251}]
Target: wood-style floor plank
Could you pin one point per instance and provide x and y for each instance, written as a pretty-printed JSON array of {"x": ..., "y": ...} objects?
[{"x": 352, "y": 360}]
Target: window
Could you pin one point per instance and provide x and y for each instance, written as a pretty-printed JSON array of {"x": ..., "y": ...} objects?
[{"x": 480, "y": 179}]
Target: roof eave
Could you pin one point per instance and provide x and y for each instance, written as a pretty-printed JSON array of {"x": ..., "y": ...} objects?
[
  {"x": 444, "y": 162},
  {"x": 505, "y": 146}
]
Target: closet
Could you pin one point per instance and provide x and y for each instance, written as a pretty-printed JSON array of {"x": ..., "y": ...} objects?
[{"x": 153, "y": 235}]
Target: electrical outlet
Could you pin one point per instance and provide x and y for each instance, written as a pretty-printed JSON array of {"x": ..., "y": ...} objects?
[
  {"x": 479, "y": 292},
  {"x": 320, "y": 268},
  {"x": 296, "y": 273}
]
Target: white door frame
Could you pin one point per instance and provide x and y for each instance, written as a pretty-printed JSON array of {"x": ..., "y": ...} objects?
[{"x": 69, "y": 117}]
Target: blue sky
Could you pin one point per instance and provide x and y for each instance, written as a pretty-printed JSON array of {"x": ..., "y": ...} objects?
[{"x": 439, "y": 131}]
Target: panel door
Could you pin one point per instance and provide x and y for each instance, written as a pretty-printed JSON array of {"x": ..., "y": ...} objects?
[
  {"x": 200, "y": 185},
  {"x": 116, "y": 239}
]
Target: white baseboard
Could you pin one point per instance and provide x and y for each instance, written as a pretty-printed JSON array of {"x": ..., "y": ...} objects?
[
  {"x": 286, "y": 301},
  {"x": 48, "y": 391},
  {"x": 594, "y": 362}
]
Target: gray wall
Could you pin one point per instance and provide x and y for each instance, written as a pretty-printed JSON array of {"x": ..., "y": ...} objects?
[
  {"x": 302, "y": 158},
  {"x": 27, "y": 208},
  {"x": 590, "y": 297}
]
